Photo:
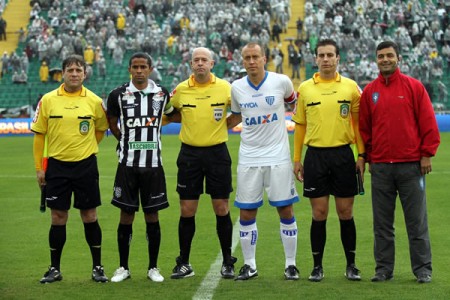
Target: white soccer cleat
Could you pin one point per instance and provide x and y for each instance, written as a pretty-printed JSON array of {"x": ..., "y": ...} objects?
[
  {"x": 154, "y": 275},
  {"x": 120, "y": 275}
]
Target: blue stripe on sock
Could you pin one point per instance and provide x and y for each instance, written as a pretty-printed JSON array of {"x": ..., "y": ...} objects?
[
  {"x": 247, "y": 223},
  {"x": 287, "y": 221}
]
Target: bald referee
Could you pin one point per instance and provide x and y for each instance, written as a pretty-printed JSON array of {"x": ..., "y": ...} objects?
[
  {"x": 74, "y": 120},
  {"x": 203, "y": 100},
  {"x": 326, "y": 118}
]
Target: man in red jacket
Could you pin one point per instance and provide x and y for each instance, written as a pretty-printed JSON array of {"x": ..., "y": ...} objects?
[{"x": 400, "y": 133}]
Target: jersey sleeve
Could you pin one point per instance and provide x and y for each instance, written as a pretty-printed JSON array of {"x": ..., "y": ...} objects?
[
  {"x": 356, "y": 97},
  {"x": 290, "y": 96},
  {"x": 175, "y": 98},
  {"x": 39, "y": 123},
  {"x": 101, "y": 122},
  {"x": 235, "y": 108},
  {"x": 169, "y": 109},
  {"x": 298, "y": 115},
  {"x": 113, "y": 104}
]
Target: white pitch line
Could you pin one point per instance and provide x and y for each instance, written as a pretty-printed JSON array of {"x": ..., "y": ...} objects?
[{"x": 212, "y": 278}]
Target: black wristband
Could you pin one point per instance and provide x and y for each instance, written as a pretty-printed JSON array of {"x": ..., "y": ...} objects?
[{"x": 363, "y": 155}]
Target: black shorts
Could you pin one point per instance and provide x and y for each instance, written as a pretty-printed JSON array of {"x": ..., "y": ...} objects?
[
  {"x": 80, "y": 178},
  {"x": 329, "y": 171},
  {"x": 197, "y": 163},
  {"x": 147, "y": 183}
]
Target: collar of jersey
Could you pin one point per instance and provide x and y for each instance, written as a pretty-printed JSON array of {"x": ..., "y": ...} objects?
[
  {"x": 151, "y": 88},
  {"x": 256, "y": 87},
  {"x": 192, "y": 82},
  {"x": 318, "y": 79},
  {"x": 63, "y": 92}
]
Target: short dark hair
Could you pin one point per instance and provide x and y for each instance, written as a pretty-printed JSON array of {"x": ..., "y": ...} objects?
[
  {"x": 254, "y": 43},
  {"x": 326, "y": 42},
  {"x": 74, "y": 59},
  {"x": 388, "y": 44},
  {"x": 140, "y": 55}
]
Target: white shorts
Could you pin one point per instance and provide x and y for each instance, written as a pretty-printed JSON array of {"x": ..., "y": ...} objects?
[{"x": 278, "y": 182}]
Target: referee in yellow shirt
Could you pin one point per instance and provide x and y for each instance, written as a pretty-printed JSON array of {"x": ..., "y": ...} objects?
[
  {"x": 326, "y": 118},
  {"x": 74, "y": 120},
  {"x": 203, "y": 100}
]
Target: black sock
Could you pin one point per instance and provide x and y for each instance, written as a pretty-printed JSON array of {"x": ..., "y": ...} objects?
[
  {"x": 348, "y": 238},
  {"x": 56, "y": 239},
  {"x": 93, "y": 235},
  {"x": 186, "y": 231},
  {"x": 318, "y": 236},
  {"x": 124, "y": 236},
  {"x": 224, "y": 228},
  {"x": 154, "y": 241}
]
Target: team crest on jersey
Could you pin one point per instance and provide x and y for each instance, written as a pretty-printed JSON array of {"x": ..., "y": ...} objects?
[
  {"x": 345, "y": 108},
  {"x": 84, "y": 127},
  {"x": 218, "y": 114},
  {"x": 270, "y": 100},
  {"x": 128, "y": 96},
  {"x": 375, "y": 97}
]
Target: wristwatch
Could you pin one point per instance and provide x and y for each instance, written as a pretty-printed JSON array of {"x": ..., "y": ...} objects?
[{"x": 363, "y": 155}]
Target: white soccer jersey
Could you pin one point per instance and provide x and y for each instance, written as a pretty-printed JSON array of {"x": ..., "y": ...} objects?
[{"x": 264, "y": 137}]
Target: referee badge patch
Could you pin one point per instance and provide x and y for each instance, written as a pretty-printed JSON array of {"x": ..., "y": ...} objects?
[
  {"x": 84, "y": 127},
  {"x": 344, "y": 110},
  {"x": 218, "y": 114}
]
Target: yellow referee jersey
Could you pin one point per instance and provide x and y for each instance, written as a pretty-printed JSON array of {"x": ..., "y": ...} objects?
[
  {"x": 70, "y": 120},
  {"x": 203, "y": 109},
  {"x": 325, "y": 107}
]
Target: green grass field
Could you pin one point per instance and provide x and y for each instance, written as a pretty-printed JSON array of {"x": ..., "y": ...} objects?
[{"x": 24, "y": 255}]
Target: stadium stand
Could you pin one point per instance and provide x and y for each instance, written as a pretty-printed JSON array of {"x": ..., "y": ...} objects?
[{"x": 226, "y": 24}]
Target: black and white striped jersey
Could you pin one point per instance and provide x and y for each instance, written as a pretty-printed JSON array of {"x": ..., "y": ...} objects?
[{"x": 140, "y": 116}]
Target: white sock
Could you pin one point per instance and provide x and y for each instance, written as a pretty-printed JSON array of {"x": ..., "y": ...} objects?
[
  {"x": 288, "y": 233},
  {"x": 249, "y": 236}
]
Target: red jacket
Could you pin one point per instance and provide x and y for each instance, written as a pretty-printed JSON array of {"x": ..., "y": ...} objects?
[{"x": 397, "y": 121}]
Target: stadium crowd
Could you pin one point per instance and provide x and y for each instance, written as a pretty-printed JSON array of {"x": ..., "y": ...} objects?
[
  {"x": 107, "y": 30},
  {"x": 421, "y": 28}
]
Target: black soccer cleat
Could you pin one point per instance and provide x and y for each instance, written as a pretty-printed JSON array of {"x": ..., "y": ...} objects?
[
  {"x": 182, "y": 270},
  {"x": 227, "y": 270},
  {"x": 51, "y": 275},
  {"x": 291, "y": 273},
  {"x": 98, "y": 274},
  {"x": 352, "y": 273},
  {"x": 246, "y": 272},
  {"x": 316, "y": 274}
]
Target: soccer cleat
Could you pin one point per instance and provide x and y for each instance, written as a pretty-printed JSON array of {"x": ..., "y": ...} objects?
[
  {"x": 424, "y": 278},
  {"x": 154, "y": 275},
  {"x": 379, "y": 277},
  {"x": 227, "y": 270},
  {"x": 352, "y": 273},
  {"x": 120, "y": 275},
  {"x": 291, "y": 273},
  {"x": 316, "y": 274},
  {"x": 98, "y": 274},
  {"x": 51, "y": 275},
  {"x": 182, "y": 270},
  {"x": 246, "y": 272}
]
